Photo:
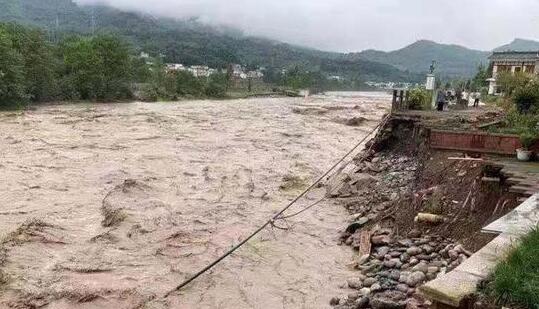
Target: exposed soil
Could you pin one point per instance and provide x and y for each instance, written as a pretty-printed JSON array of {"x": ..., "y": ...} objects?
[
  {"x": 389, "y": 193},
  {"x": 113, "y": 205}
]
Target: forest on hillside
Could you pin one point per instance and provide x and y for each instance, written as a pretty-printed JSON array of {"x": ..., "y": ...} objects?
[{"x": 188, "y": 41}]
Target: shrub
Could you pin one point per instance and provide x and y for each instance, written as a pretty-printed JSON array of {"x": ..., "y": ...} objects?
[
  {"x": 526, "y": 98},
  {"x": 528, "y": 139},
  {"x": 419, "y": 98}
]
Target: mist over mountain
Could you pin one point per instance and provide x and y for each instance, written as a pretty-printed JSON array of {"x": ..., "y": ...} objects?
[{"x": 190, "y": 41}]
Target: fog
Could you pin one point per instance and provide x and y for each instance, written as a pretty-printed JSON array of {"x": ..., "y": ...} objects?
[{"x": 353, "y": 25}]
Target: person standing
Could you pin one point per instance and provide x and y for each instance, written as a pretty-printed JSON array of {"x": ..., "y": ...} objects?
[
  {"x": 477, "y": 98},
  {"x": 440, "y": 101}
]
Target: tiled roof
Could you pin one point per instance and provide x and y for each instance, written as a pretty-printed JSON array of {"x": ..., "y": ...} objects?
[{"x": 515, "y": 56}]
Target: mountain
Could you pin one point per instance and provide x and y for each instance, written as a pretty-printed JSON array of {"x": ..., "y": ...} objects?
[
  {"x": 452, "y": 60},
  {"x": 520, "y": 45},
  {"x": 188, "y": 41}
]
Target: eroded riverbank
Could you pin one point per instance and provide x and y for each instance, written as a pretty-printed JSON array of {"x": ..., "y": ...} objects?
[{"x": 201, "y": 175}]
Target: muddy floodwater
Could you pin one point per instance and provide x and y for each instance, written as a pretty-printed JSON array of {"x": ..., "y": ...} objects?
[{"x": 113, "y": 205}]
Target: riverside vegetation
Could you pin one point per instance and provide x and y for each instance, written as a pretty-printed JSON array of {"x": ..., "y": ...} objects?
[{"x": 104, "y": 67}]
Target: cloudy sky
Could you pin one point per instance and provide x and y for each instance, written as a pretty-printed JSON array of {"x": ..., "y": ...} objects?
[{"x": 354, "y": 25}]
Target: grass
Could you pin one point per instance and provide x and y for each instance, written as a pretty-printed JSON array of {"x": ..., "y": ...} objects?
[{"x": 516, "y": 280}]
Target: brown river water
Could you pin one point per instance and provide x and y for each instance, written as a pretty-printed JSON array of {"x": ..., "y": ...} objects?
[{"x": 187, "y": 180}]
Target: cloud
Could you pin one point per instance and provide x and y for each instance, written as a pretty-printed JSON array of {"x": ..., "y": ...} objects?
[{"x": 353, "y": 25}]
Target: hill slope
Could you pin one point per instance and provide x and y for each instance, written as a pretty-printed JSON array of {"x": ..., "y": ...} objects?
[
  {"x": 188, "y": 41},
  {"x": 452, "y": 60},
  {"x": 520, "y": 45}
]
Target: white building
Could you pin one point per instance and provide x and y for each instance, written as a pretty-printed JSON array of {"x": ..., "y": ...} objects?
[
  {"x": 513, "y": 62},
  {"x": 173, "y": 67}
]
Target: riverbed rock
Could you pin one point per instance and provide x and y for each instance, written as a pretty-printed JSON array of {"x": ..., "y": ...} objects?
[
  {"x": 334, "y": 301},
  {"x": 369, "y": 281},
  {"x": 415, "y": 278},
  {"x": 412, "y": 251},
  {"x": 422, "y": 267},
  {"x": 381, "y": 240},
  {"x": 355, "y": 283},
  {"x": 362, "y": 302},
  {"x": 389, "y": 300}
]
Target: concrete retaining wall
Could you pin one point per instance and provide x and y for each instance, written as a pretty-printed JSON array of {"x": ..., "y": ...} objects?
[{"x": 480, "y": 142}]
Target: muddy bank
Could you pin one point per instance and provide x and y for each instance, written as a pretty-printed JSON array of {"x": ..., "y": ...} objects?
[
  {"x": 112, "y": 205},
  {"x": 415, "y": 213}
]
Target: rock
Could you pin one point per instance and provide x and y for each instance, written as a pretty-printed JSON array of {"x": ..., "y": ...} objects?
[
  {"x": 414, "y": 251},
  {"x": 405, "y": 257},
  {"x": 413, "y": 303},
  {"x": 381, "y": 240},
  {"x": 453, "y": 255},
  {"x": 405, "y": 242},
  {"x": 431, "y": 276},
  {"x": 376, "y": 287},
  {"x": 382, "y": 250},
  {"x": 362, "y": 302},
  {"x": 422, "y": 267},
  {"x": 394, "y": 254},
  {"x": 415, "y": 233},
  {"x": 413, "y": 261},
  {"x": 334, "y": 301},
  {"x": 424, "y": 257},
  {"x": 402, "y": 288},
  {"x": 353, "y": 227},
  {"x": 390, "y": 263},
  {"x": 389, "y": 300},
  {"x": 438, "y": 263},
  {"x": 427, "y": 249},
  {"x": 433, "y": 269},
  {"x": 404, "y": 276},
  {"x": 354, "y": 296},
  {"x": 369, "y": 281},
  {"x": 395, "y": 275},
  {"x": 415, "y": 279},
  {"x": 375, "y": 160},
  {"x": 354, "y": 283},
  {"x": 365, "y": 291}
]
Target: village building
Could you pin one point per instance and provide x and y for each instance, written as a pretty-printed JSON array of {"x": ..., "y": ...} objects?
[
  {"x": 173, "y": 67},
  {"x": 512, "y": 61}
]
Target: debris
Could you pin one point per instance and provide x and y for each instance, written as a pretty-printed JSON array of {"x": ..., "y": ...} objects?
[{"x": 429, "y": 218}]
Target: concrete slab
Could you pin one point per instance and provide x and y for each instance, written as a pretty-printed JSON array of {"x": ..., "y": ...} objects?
[
  {"x": 483, "y": 262},
  {"x": 451, "y": 288},
  {"x": 518, "y": 222}
]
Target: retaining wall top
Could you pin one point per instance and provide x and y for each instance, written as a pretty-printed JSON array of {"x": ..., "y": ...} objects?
[{"x": 454, "y": 287}]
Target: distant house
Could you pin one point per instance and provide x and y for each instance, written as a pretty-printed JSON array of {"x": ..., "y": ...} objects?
[
  {"x": 174, "y": 67},
  {"x": 512, "y": 61},
  {"x": 201, "y": 70}
]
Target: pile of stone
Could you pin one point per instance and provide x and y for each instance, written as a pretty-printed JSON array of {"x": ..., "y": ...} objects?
[
  {"x": 388, "y": 277},
  {"x": 375, "y": 180}
]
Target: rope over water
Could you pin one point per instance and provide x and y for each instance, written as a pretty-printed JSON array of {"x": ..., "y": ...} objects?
[{"x": 279, "y": 215}]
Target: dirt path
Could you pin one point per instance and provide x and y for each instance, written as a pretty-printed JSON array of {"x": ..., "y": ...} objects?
[{"x": 112, "y": 205}]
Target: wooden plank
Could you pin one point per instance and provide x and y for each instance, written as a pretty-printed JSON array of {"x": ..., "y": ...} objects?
[{"x": 365, "y": 245}]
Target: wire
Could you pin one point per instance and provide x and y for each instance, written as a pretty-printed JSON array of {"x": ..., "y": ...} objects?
[{"x": 276, "y": 216}]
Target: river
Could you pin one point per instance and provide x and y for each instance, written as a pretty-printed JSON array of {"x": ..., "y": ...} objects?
[{"x": 188, "y": 180}]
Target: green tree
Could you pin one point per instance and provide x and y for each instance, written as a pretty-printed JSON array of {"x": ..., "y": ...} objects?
[
  {"x": 99, "y": 67},
  {"x": 12, "y": 89},
  {"x": 40, "y": 65},
  {"x": 216, "y": 87}
]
